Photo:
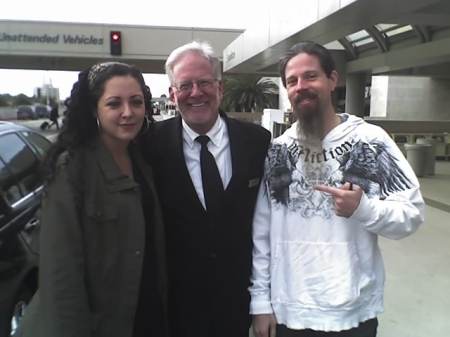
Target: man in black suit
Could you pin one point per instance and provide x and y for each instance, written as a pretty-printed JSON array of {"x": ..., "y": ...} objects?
[{"x": 208, "y": 169}]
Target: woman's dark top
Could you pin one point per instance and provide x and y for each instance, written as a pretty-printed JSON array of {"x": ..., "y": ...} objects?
[{"x": 148, "y": 319}]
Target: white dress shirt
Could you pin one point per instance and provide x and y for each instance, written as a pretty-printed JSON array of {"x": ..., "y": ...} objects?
[{"x": 219, "y": 146}]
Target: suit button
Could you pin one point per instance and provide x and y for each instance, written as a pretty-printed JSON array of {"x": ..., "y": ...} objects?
[
  {"x": 98, "y": 213},
  {"x": 213, "y": 255},
  {"x": 137, "y": 253}
]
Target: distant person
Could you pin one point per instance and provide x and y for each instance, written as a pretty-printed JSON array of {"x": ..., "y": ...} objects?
[
  {"x": 102, "y": 259},
  {"x": 54, "y": 116},
  {"x": 208, "y": 168}
]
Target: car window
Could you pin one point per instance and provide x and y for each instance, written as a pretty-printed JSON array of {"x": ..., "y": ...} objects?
[
  {"x": 40, "y": 143},
  {"x": 24, "y": 108},
  {"x": 20, "y": 161},
  {"x": 8, "y": 185}
]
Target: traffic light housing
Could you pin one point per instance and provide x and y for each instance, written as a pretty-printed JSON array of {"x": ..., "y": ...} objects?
[{"x": 115, "y": 40}]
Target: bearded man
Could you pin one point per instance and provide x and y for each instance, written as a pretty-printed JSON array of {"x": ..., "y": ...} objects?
[{"x": 333, "y": 184}]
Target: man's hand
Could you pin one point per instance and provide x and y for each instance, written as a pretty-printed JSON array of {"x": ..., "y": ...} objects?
[
  {"x": 346, "y": 198},
  {"x": 264, "y": 325}
]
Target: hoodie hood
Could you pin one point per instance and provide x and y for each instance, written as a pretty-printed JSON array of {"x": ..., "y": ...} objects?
[{"x": 349, "y": 124}]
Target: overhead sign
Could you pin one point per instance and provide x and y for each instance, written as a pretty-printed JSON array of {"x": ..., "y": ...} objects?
[
  {"x": 51, "y": 39},
  {"x": 231, "y": 56}
]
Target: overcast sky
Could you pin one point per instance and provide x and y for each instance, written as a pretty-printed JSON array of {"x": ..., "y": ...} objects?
[{"x": 201, "y": 13}]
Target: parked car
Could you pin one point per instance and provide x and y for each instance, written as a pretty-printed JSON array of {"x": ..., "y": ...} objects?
[
  {"x": 27, "y": 112},
  {"x": 21, "y": 153}
]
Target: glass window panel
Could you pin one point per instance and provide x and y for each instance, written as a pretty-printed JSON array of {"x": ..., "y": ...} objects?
[
  {"x": 385, "y": 26},
  {"x": 21, "y": 161},
  {"x": 40, "y": 143},
  {"x": 358, "y": 35},
  {"x": 363, "y": 42},
  {"x": 8, "y": 185},
  {"x": 335, "y": 45},
  {"x": 399, "y": 30}
]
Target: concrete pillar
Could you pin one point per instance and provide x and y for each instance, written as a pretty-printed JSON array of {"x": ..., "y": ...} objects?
[
  {"x": 355, "y": 94},
  {"x": 410, "y": 98}
]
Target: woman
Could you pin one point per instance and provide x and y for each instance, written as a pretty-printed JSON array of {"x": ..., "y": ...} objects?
[{"x": 102, "y": 262}]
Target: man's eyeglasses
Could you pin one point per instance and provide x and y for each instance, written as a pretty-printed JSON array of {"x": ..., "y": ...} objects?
[{"x": 202, "y": 83}]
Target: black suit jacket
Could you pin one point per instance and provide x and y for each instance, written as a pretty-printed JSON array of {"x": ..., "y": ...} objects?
[{"x": 209, "y": 255}]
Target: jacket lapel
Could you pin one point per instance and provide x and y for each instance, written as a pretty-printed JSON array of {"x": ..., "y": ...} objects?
[
  {"x": 174, "y": 156},
  {"x": 239, "y": 147}
]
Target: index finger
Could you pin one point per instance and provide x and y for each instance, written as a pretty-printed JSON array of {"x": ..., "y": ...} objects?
[{"x": 328, "y": 189}]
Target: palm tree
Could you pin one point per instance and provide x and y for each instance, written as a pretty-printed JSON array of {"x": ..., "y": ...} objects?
[{"x": 249, "y": 94}]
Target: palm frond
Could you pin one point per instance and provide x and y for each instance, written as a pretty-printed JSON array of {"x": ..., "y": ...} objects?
[{"x": 249, "y": 94}]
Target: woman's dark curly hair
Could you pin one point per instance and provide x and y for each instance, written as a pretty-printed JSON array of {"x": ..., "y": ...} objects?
[{"x": 80, "y": 124}]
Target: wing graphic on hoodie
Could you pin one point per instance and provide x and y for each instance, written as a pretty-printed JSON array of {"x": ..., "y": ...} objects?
[
  {"x": 280, "y": 166},
  {"x": 374, "y": 169}
]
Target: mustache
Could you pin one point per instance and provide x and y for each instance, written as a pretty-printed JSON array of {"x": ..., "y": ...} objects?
[{"x": 305, "y": 95}]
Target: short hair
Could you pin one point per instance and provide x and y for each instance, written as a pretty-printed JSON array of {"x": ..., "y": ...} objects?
[
  {"x": 202, "y": 48},
  {"x": 310, "y": 48}
]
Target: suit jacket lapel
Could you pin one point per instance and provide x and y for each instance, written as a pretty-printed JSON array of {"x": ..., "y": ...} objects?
[
  {"x": 240, "y": 155},
  {"x": 176, "y": 159}
]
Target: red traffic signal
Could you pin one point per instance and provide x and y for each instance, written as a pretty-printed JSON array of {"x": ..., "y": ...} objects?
[
  {"x": 115, "y": 36},
  {"x": 115, "y": 40}
]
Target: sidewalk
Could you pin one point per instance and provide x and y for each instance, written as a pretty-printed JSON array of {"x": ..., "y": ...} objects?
[
  {"x": 35, "y": 125},
  {"x": 436, "y": 188},
  {"x": 166, "y": 116},
  {"x": 417, "y": 297}
]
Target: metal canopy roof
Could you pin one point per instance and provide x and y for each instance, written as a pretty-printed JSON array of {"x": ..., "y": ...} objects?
[
  {"x": 382, "y": 36},
  {"x": 377, "y": 36}
]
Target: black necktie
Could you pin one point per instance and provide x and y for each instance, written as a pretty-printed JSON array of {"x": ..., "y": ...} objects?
[{"x": 212, "y": 183}]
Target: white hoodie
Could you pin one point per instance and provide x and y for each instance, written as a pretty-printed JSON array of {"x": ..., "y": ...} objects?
[{"x": 312, "y": 268}]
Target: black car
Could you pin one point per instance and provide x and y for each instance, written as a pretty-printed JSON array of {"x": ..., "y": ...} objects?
[
  {"x": 27, "y": 112},
  {"x": 21, "y": 153}
]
